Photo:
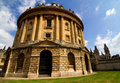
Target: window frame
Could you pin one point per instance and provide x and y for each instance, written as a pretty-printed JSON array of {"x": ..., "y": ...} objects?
[{"x": 46, "y": 35}]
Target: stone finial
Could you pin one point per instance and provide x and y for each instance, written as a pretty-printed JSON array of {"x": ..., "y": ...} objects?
[
  {"x": 61, "y": 6},
  {"x": 38, "y": 5},
  {"x": 29, "y": 7},
  {"x": 53, "y": 3},
  {"x": 96, "y": 51},
  {"x": 70, "y": 10},
  {"x": 91, "y": 51},
  {"x": 106, "y": 50},
  {"x": 43, "y": 4},
  {"x": 102, "y": 54},
  {"x": 56, "y": 4},
  {"x": 4, "y": 47}
]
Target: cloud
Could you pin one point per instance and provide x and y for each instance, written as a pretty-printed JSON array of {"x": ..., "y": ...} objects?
[
  {"x": 41, "y": 1},
  {"x": 110, "y": 12},
  {"x": 86, "y": 42},
  {"x": 48, "y": 4},
  {"x": 25, "y": 4},
  {"x": 5, "y": 38},
  {"x": 7, "y": 24},
  {"x": 115, "y": 44},
  {"x": 78, "y": 14},
  {"x": 112, "y": 42},
  {"x": 97, "y": 8},
  {"x": 7, "y": 19}
]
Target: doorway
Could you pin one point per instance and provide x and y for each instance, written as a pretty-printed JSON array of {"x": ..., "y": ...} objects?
[{"x": 45, "y": 66}]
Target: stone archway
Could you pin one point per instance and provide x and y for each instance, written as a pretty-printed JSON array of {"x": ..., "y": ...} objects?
[
  {"x": 86, "y": 63},
  {"x": 45, "y": 66},
  {"x": 71, "y": 62},
  {"x": 20, "y": 62}
]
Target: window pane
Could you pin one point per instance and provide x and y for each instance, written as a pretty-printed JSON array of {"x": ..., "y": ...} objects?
[
  {"x": 49, "y": 23},
  {"x": 48, "y": 35}
]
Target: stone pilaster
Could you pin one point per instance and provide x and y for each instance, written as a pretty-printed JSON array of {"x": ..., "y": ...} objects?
[
  {"x": 23, "y": 32},
  {"x": 20, "y": 32},
  {"x": 40, "y": 29},
  {"x": 16, "y": 36},
  {"x": 90, "y": 67},
  {"x": 11, "y": 68},
  {"x": 9, "y": 63},
  {"x": 34, "y": 29},
  {"x": 84, "y": 65}
]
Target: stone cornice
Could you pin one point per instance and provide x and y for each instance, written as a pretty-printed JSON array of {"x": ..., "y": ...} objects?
[
  {"x": 35, "y": 44},
  {"x": 50, "y": 10}
]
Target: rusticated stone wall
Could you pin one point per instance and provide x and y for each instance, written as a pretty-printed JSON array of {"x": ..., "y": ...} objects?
[
  {"x": 106, "y": 65},
  {"x": 59, "y": 62}
]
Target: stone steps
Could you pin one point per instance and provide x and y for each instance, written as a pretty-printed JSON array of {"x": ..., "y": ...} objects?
[{"x": 44, "y": 75}]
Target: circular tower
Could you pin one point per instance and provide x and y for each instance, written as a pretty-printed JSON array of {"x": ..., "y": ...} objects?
[{"x": 49, "y": 41}]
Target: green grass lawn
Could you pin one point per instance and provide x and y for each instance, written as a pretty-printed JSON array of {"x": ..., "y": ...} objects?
[{"x": 100, "y": 77}]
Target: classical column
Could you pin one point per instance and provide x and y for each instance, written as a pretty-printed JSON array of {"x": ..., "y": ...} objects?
[
  {"x": 62, "y": 29},
  {"x": 40, "y": 29},
  {"x": 20, "y": 32},
  {"x": 72, "y": 32},
  {"x": 34, "y": 29},
  {"x": 76, "y": 38},
  {"x": 82, "y": 37},
  {"x": 57, "y": 28},
  {"x": 23, "y": 31},
  {"x": 84, "y": 65},
  {"x": 16, "y": 36}
]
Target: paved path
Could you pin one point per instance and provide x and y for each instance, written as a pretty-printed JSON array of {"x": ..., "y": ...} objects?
[{"x": 14, "y": 78}]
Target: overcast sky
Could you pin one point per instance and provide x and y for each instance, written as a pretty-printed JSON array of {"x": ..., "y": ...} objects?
[{"x": 101, "y": 19}]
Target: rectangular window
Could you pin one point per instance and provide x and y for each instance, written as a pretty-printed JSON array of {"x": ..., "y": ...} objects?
[
  {"x": 67, "y": 37},
  {"x": 48, "y": 35},
  {"x": 48, "y": 23}
]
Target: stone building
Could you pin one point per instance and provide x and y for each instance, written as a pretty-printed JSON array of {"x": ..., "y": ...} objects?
[
  {"x": 49, "y": 41},
  {"x": 2, "y": 58},
  {"x": 104, "y": 61}
]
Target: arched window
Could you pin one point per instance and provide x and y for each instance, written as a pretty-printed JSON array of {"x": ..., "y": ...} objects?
[
  {"x": 79, "y": 41},
  {"x": 20, "y": 62},
  {"x": 71, "y": 61}
]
